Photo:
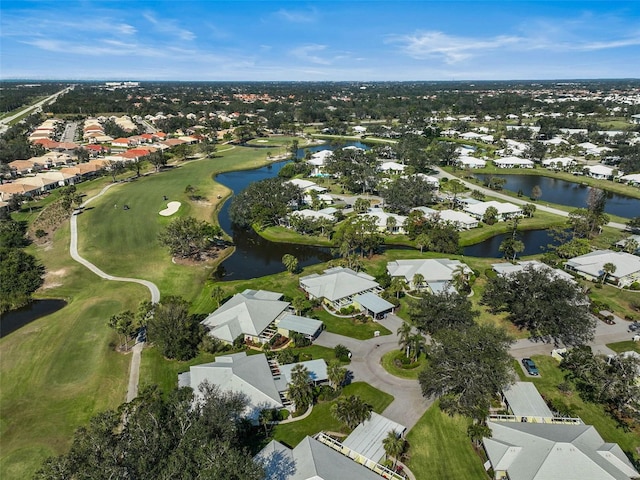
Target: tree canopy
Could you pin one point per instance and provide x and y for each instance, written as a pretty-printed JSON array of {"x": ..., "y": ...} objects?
[
  {"x": 162, "y": 437},
  {"x": 403, "y": 194},
  {"x": 467, "y": 368},
  {"x": 444, "y": 310},
  {"x": 549, "y": 307},
  {"x": 263, "y": 203},
  {"x": 173, "y": 330},
  {"x": 188, "y": 237}
]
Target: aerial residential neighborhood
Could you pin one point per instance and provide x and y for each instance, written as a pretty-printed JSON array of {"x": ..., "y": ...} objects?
[{"x": 353, "y": 240}]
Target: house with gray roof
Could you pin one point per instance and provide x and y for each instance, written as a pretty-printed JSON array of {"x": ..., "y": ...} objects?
[
  {"x": 526, "y": 404},
  {"x": 506, "y": 210},
  {"x": 437, "y": 273},
  {"x": 591, "y": 266},
  {"x": 250, "y": 375},
  {"x": 309, "y": 327},
  {"x": 252, "y": 313},
  {"x": 310, "y": 460},
  {"x": 507, "y": 268},
  {"x": 367, "y": 437},
  {"x": 338, "y": 286},
  {"x": 264, "y": 382},
  {"x": 539, "y": 451}
]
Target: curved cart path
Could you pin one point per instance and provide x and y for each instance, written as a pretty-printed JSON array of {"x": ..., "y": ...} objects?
[{"x": 134, "y": 372}]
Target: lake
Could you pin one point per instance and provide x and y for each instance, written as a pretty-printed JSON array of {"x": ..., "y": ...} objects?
[
  {"x": 572, "y": 194},
  {"x": 535, "y": 241},
  {"x": 254, "y": 256},
  {"x": 14, "y": 319}
]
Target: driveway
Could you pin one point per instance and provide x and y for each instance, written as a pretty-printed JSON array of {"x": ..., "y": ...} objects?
[{"x": 408, "y": 404}]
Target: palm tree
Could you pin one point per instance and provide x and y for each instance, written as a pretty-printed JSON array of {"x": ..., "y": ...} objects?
[
  {"x": 336, "y": 374},
  {"x": 422, "y": 241},
  {"x": 404, "y": 334},
  {"x": 217, "y": 293},
  {"x": 391, "y": 223},
  {"x": 478, "y": 431},
  {"x": 460, "y": 279},
  {"x": 630, "y": 245},
  {"x": 398, "y": 284},
  {"x": 607, "y": 268},
  {"x": 394, "y": 446},
  {"x": 290, "y": 262},
  {"x": 298, "y": 304},
  {"x": 300, "y": 391},
  {"x": 418, "y": 278},
  {"x": 417, "y": 343},
  {"x": 351, "y": 411}
]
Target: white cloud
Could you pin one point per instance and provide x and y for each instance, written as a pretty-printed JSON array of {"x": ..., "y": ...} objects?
[
  {"x": 126, "y": 29},
  {"x": 298, "y": 16},
  {"x": 169, "y": 27},
  {"x": 451, "y": 48},
  {"x": 308, "y": 53}
]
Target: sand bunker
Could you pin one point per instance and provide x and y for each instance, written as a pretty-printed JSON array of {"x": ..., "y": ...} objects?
[{"x": 172, "y": 207}]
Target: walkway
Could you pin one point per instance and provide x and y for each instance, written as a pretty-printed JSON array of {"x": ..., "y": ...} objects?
[
  {"x": 508, "y": 198},
  {"x": 134, "y": 372}
]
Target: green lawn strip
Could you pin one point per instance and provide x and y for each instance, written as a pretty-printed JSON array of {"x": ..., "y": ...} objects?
[
  {"x": 287, "y": 235},
  {"x": 626, "y": 346},
  {"x": 350, "y": 327},
  {"x": 388, "y": 363},
  {"x": 314, "y": 352},
  {"x": 540, "y": 221},
  {"x": 591, "y": 413},
  {"x": 440, "y": 448},
  {"x": 620, "y": 301},
  {"x": 60, "y": 370},
  {"x": 321, "y": 419}
]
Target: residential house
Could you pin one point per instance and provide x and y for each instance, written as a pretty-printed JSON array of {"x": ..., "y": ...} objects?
[
  {"x": 384, "y": 222},
  {"x": 601, "y": 172},
  {"x": 558, "y": 162},
  {"x": 367, "y": 438},
  {"x": 460, "y": 220},
  {"x": 124, "y": 142},
  {"x": 23, "y": 167},
  {"x": 506, "y": 210},
  {"x": 264, "y": 382},
  {"x": 310, "y": 460},
  {"x": 392, "y": 167},
  {"x": 61, "y": 178},
  {"x": 251, "y": 314},
  {"x": 338, "y": 286},
  {"x": 631, "y": 179},
  {"x": 513, "y": 162},
  {"x": 8, "y": 190},
  {"x": 437, "y": 274},
  {"x": 42, "y": 184},
  {"x": 318, "y": 161},
  {"x": 530, "y": 451},
  {"x": 591, "y": 266},
  {"x": 308, "y": 327},
  {"x": 470, "y": 162},
  {"x": 622, "y": 244},
  {"x": 506, "y": 269},
  {"x": 323, "y": 214}
]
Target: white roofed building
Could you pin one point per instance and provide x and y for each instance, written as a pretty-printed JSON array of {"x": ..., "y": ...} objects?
[
  {"x": 437, "y": 273},
  {"x": 338, "y": 286},
  {"x": 506, "y": 210},
  {"x": 591, "y": 266},
  {"x": 513, "y": 162},
  {"x": 471, "y": 162}
]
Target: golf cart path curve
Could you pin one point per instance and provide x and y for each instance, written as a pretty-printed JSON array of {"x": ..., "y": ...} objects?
[{"x": 134, "y": 371}]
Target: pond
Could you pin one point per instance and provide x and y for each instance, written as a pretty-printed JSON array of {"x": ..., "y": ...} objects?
[
  {"x": 572, "y": 194},
  {"x": 254, "y": 256},
  {"x": 14, "y": 319},
  {"x": 535, "y": 241}
]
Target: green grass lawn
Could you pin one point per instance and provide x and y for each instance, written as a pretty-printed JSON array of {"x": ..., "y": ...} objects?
[
  {"x": 590, "y": 413},
  {"x": 388, "y": 363},
  {"x": 349, "y": 327},
  {"x": 321, "y": 419},
  {"x": 60, "y": 370},
  {"x": 626, "y": 346},
  {"x": 439, "y": 448}
]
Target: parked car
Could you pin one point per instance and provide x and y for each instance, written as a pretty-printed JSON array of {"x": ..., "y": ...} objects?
[
  {"x": 634, "y": 327},
  {"x": 530, "y": 366}
]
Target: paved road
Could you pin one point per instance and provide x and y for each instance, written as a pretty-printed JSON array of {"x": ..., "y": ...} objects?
[
  {"x": 409, "y": 404},
  {"x": 34, "y": 107},
  {"x": 502, "y": 196},
  {"x": 134, "y": 371}
]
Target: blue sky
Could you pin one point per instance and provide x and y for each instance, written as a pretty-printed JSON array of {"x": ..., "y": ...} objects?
[{"x": 320, "y": 40}]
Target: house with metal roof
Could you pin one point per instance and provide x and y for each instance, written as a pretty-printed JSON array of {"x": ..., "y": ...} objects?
[
  {"x": 506, "y": 210},
  {"x": 526, "y": 404},
  {"x": 537, "y": 451},
  {"x": 338, "y": 286},
  {"x": 437, "y": 273},
  {"x": 367, "y": 437},
  {"x": 251, "y": 313},
  {"x": 309, "y": 327},
  {"x": 591, "y": 266},
  {"x": 264, "y": 382},
  {"x": 310, "y": 460},
  {"x": 507, "y": 268},
  {"x": 373, "y": 305}
]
